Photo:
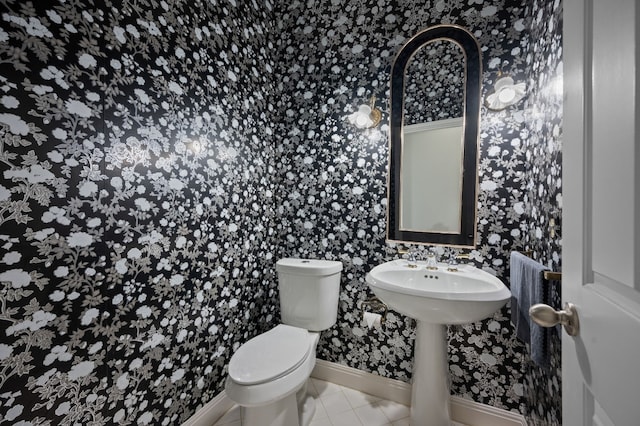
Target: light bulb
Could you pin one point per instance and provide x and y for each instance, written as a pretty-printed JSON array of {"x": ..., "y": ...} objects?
[
  {"x": 364, "y": 110},
  {"x": 363, "y": 121},
  {"x": 506, "y": 95}
]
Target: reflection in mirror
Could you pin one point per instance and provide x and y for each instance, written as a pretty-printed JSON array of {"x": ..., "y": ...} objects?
[
  {"x": 435, "y": 108},
  {"x": 441, "y": 140},
  {"x": 434, "y": 83}
]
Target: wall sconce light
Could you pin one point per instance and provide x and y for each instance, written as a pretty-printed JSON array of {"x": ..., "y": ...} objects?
[
  {"x": 506, "y": 92},
  {"x": 367, "y": 116}
]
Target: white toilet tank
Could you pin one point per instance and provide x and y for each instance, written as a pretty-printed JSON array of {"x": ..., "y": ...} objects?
[{"x": 309, "y": 292}]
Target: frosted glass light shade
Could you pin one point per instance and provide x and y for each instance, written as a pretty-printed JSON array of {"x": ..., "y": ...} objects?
[{"x": 506, "y": 93}]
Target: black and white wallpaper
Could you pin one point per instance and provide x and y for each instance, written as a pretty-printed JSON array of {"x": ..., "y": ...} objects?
[
  {"x": 157, "y": 157},
  {"x": 333, "y": 177},
  {"x": 137, "y": 221},
  {"x": 434, "y": 83},
  {"x": 543, "y": 197}
]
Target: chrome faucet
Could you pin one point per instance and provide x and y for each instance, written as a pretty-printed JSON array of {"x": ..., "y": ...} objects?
[{"x": 432, "y": 261}]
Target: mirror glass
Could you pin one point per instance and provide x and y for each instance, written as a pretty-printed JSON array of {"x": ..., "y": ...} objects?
[
  {"x": 440, "y": 139},
  {"x": 434, "y": 83},
  {"x": 435, "y": 95}
]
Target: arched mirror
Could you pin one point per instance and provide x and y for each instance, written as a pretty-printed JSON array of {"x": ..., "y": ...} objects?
[{"x": 434, "y": 119}]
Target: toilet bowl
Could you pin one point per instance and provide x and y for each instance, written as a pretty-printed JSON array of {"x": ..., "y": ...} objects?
[
  {"x": 268, "y": 374},
  {"x": 268, "y": 377}
]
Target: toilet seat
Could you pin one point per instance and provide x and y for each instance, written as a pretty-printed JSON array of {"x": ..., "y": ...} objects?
[{"x": 270, "y": 355}]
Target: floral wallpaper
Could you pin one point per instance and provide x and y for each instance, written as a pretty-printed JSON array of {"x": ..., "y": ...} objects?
[
  {"x": 158, "y": 156},
  {"x": 137, "y": 221},
  {"x": 435, "y": 83},
  {"x": 543, "y": 197},
  {"x": 333, "y": 201}
]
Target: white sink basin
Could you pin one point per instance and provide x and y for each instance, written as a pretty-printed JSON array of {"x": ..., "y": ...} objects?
[
  {"x": 435, "y": 298},
  {"x": 439, "y": 297}
]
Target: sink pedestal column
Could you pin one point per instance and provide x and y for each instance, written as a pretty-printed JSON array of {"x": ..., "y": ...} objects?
[{"x": 430, "y": 388}]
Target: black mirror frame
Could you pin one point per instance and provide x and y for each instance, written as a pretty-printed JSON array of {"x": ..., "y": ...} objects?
[{"x": 473, "y": 81}]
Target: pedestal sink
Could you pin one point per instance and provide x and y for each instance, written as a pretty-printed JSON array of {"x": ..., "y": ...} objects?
[{"x": 435, "y": 298}]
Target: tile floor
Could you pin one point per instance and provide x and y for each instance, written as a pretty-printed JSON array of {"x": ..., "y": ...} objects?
[{"x": 341, "y": 406}]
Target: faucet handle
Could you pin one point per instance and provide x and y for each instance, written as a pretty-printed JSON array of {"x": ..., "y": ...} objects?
[
  {"x": 452, "y": 266},
  {"x": 453, "y": 261},
  {"x": 411, "y": 254},
  {"x": 432, "y": 261}
]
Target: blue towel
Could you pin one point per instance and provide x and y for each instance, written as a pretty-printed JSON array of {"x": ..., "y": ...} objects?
[{"x": 527, "y": 289}]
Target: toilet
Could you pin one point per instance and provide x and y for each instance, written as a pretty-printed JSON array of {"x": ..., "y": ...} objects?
[{"x": 268, "y": 374}]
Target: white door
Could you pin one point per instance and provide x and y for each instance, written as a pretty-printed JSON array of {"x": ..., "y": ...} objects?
[{"x": 601, "y": 212}]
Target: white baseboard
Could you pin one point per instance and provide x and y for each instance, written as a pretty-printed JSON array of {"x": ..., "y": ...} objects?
[
  {"x": 475, "y": 414},
  {"x": 462, "y": 410},
  {"x": 211, "y": 412},
  {"x": 382, "y": 387}
]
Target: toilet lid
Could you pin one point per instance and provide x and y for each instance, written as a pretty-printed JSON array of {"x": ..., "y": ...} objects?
[{"x": 269, "y": 355}]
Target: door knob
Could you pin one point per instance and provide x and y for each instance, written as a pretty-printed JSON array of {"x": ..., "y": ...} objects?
[{"x": 546, "y": 316}]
